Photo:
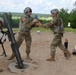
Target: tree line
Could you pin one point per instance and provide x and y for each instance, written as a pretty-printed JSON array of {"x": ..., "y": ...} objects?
[{"x": 66, "y": 17}]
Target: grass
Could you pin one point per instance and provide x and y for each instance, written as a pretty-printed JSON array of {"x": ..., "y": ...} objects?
[
  {"x": 70, "y": 30},
  {"x": 35, "y": 29},
  {"x": 45, "y": 29},
  {"x": 41, "y": 29},
  {"x": 48, "y": 29}
]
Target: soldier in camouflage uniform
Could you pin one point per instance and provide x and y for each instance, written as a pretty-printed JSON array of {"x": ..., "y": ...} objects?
[
  {"x": 25, "y": 25},
  {"x": 1, "y": 23},
  {"x": 55, "y": 26}
]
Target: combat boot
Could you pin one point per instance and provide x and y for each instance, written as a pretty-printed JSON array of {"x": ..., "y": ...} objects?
[
  {"x": 12, "y": 56},
  {"x": 68, "y": 54},
  {"x": 52, "y": 58}
]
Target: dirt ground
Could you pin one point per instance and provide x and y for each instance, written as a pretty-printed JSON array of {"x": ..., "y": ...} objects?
[{"x": 40, "y": 51}]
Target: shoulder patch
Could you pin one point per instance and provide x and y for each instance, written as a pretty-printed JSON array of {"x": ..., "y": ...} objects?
[{"x": 23, "y": 19}]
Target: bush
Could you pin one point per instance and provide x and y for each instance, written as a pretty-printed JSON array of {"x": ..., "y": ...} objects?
[{"x": 15, "y": 23}]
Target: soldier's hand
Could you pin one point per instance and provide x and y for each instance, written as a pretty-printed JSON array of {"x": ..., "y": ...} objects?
[
  {"x": 35, "y": 21},
  {"x": 38, "y": 24}
]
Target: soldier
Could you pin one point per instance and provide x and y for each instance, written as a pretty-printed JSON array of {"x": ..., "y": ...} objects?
[
  {"x": 56, "y": 26},
  {"x": 1, "y": 23},
  {"x": 25, "y": 25}
]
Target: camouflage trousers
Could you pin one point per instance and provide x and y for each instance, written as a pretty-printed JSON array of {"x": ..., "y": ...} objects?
[
  {"x": 57, "y": 42},
  {"x": 24, "y": 36}
]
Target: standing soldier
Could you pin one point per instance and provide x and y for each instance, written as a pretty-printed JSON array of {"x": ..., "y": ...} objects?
[
  {"x": 56, "y": 26},
  {"x": 25, "y": 25}
]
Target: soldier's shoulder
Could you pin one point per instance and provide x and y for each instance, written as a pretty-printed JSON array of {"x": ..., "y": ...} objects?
[
  {"x": 23, "y": 18},
  {"x": 59, "y": 18}
]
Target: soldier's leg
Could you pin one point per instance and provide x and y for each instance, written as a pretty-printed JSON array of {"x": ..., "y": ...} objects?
[
  {"x": 53, "y": 50},
  {"x": 53, "y": 46},
  {"x": 19, "y": 41},
  {"x": 28, "y": 41},
  {"x": 63, "y": 48}
]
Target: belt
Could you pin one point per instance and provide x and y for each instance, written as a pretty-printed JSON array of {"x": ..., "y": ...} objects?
[{"x": 59, "y": 34}]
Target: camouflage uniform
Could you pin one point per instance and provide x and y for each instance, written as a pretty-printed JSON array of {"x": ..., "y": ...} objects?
[
  {"x": 57, "y": 40},
  {"x": 2, "y": 22},
  {"x": 55, "y": 26},
  {"x": 25, "y": 26}
]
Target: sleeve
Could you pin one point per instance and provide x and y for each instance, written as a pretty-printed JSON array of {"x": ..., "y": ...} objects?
[
  {"x": 29, "y": 23},
  {"x": 48, "y": 25}
]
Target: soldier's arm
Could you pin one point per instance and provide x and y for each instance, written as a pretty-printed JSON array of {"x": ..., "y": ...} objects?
[
  {"x": 48, "y": 25},
  {"x": 34, "y": 23},
  {"x": 30, "y": 24},
  {"x": 27, "y": 22}
]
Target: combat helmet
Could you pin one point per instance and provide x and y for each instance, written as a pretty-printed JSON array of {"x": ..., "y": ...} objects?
[
  {"x": 55, "y": 11},
  {"x": 27, "y": 9}
]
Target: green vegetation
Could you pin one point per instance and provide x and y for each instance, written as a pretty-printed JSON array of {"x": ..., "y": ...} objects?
[
  {"x": 45, "y": 18},
  {"x": 68, "y": 17},
  {"x": 70, "y": 30},
  {"x": 45, "y": 29},
  {"x": 34, "y": 29},
  {"x": 41, "y": 29},
  {"x": 49, "y": 30}
]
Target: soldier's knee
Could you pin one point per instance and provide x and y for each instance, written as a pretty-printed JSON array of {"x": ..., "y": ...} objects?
[
  {"x": 28, "y": 43},
  {"x": 27, "y": 51},
  {"x": 52, "y": 46}
]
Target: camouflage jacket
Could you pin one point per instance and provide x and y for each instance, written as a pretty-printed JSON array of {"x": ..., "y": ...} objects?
[
  {"x": 56, "y": 25},
  {"x": 26, "y": 24}
]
